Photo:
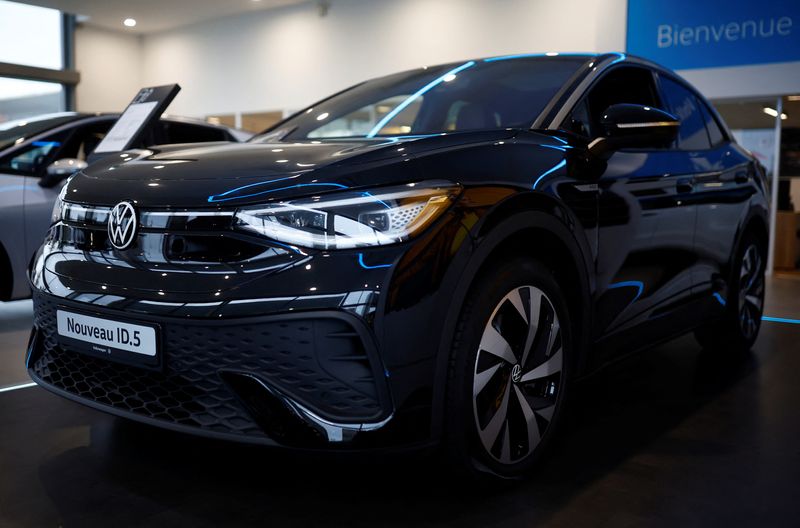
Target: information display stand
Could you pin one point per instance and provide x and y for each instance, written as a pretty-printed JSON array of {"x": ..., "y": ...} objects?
[{"x": 141, "y": 114}]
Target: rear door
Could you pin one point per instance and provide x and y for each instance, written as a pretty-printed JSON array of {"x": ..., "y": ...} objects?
[{"x": 724, "y": 182}]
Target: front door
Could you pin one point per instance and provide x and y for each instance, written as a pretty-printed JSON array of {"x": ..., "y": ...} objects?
[{"x": 646, "y": 251}]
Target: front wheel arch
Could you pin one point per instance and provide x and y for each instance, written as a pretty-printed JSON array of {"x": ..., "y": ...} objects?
[{"x": 556, "y": 248}]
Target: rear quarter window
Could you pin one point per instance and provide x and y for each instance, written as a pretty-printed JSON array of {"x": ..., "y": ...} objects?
[{"x": 190, "y": 133}]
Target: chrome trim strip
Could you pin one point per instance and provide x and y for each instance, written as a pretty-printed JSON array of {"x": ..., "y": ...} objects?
[
  {"x": 171, "y": 214},
  {"x": 98, "y": 215},
  {"x": 599, "y": 69},
  {"x": 336, "y": 432},
  {"x": 648, "y": 124}
]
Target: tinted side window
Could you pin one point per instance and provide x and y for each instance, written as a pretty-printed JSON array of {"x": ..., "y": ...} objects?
[
  {"x": 625, "y": 84},
  {"x": 715, "y": 134},
  {"x": 33, "y": 158},
  {"x": 84, "y": 140},
  {"x": 692, "y": 134},
  {"x": 578, "y": 121},
  {"x": 189, "y": 133},
  {"x": 622, "y": 85},
  {"x": 171, "y": 132}
]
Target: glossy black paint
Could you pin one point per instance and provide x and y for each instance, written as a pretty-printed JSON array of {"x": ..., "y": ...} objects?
[
  {"x": 639, "y": 240},
  {"x": 631, "y": 126}
]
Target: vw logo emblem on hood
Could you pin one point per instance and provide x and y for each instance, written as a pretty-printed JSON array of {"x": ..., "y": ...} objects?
[{"x": 122, "y": 223}]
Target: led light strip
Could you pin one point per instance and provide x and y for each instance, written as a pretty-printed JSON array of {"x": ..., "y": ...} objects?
[
  {"x": 648, "y": 124},
  {"x": 780, "y": 320},
  {"x": 17, "y": 387}
]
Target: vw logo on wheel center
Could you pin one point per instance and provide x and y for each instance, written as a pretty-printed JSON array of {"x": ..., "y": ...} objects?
[{"x": 122, "y": 224}]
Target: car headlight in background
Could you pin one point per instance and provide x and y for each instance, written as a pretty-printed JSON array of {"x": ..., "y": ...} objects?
[
  {"x": 58, "y": 207},
  {"x": 351, "y": 219}
]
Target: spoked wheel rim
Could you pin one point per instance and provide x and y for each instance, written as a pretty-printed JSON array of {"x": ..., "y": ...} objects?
[
  {"x": 751, "y": 291},
  {"x": 517, "y": 375}
]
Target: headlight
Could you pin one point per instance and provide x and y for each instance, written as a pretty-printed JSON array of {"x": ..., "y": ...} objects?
[
  {"x": 351, "y": 219},
  {"x": 58, "y": 207}
]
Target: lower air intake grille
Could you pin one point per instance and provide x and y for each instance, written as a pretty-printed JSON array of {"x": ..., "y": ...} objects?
[{"x": 319, "y": 362}]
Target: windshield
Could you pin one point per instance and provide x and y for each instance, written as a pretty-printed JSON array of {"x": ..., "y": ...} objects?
[
  {"x": 12, "y": 132},
  {"x": 501, "y": 92}
]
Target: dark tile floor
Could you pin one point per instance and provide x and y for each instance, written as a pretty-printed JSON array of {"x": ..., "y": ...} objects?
[{"x": 671, "y": 437}]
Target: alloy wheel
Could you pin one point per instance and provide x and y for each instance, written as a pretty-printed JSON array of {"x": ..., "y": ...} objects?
[
  {"x": 517, "y": 374},
  {"x": 751, "y": 291}
]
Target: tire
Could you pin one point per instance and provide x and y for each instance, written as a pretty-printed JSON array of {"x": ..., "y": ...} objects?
[
  {"x": 530, "y": 390},
  {"x": 736, "y": 332}
]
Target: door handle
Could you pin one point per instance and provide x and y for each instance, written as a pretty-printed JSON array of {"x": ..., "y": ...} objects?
[{"x": 685, "y": 185}]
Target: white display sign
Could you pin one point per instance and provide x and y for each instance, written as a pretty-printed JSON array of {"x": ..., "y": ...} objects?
[
  {"x": 126, "y": 127},
  {"x": 105, "y": 334}
]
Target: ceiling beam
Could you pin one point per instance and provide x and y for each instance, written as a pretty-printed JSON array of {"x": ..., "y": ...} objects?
[{"x": 32, "y": 73}]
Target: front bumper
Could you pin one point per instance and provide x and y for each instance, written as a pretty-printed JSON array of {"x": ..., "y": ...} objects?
[{"x": 307, "y": 380}]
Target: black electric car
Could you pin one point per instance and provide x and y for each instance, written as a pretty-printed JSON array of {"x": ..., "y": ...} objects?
[{"x": 429, "y": 257}]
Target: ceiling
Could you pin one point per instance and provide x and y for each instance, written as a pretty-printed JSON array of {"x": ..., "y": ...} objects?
[{"x": 156, "y": 15}]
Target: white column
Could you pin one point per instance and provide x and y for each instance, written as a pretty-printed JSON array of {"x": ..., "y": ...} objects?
[{"x": 776, "y": 174}]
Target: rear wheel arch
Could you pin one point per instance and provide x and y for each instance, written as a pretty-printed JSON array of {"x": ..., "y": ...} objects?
[
  {"x": 759, "y": 227},
  {"x": 756, "y": 224}
]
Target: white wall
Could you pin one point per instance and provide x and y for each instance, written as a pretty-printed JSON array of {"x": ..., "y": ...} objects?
[
  {"x": 746, "y": 81},
  {"x": 110, "y": 64},
  {"x": 290, "y": 57}
]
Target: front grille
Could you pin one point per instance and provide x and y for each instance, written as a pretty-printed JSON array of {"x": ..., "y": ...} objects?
[
  {"x": 180, "y": 236},
  {"x": 319, "y": 362}
]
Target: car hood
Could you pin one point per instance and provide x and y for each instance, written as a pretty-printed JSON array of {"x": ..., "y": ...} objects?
[{"x": 228, "y": 174}]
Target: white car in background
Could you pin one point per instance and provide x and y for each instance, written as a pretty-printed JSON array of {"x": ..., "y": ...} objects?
[{"x": 37, "y": 155}]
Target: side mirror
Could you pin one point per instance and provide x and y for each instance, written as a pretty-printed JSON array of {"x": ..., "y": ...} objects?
[
  {"x": 635, "y": 126},
  {"x": 60, "y": 170}
]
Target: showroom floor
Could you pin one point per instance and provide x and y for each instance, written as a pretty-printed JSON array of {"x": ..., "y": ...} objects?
[{"x": 667, "y": 438}]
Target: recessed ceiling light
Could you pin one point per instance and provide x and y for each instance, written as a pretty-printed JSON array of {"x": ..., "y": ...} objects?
[
  {"x": 774, "y": 113},
  {"x": 129, "y": 22}
]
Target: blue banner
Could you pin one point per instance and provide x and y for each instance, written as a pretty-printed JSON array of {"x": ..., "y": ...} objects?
[{"x": 686, "y": 34}]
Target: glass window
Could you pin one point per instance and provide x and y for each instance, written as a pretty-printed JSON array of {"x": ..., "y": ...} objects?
[
  {"x": 475, "y": 95},
  {"x": 18, "y": 131},
  {"x": 715, "y": 134},
  {"x": 360, "y": 122},
  {"x": 175, "y": 132},
  {"x": 84, "y": 139},
  {"x": 625, "y": 85},
  {"x": 579, "y": 121},
  {"x": 20, "y": 99},
  {"x": 34, "y": 157},
  {"x": 30, "y": 35},
  {"x": 622, "y": 85},
  {"x": 692, "y": 134}
]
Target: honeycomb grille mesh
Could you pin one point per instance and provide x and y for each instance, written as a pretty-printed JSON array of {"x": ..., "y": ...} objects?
[
  {"x": 402, "y": 216},
  {"x": 319, "y": 363}
]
